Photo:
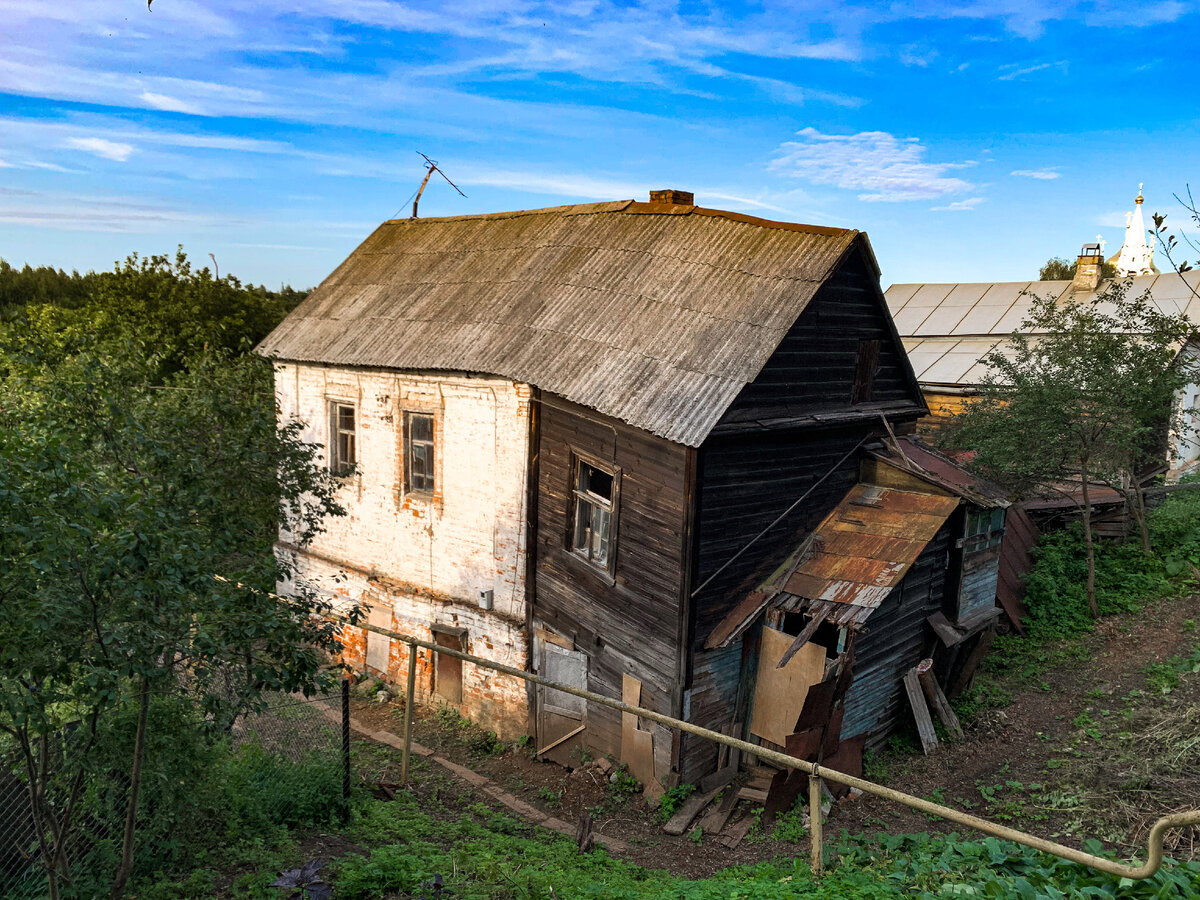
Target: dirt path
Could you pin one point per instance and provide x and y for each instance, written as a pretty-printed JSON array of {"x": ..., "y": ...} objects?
[{"x": 1091, "y": 748}]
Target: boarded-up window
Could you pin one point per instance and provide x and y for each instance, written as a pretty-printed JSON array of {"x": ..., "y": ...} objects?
[
  {"x": 447, "y": 670},
  {"x": 864, "y": 372}
]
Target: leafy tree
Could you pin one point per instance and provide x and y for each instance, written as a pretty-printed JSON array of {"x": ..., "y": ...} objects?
[
  {"x": 1173, "y": 245},
  {"x": 140, "y": 458},
  {"x": 1080, "y": 392},
  {"x": 1059, "y": 269}
]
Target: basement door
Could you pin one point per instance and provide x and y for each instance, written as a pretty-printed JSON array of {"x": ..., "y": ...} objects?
[{"x": 562, "y": 717}]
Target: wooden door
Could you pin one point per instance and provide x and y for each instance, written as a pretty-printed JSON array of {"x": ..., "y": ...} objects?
[{"x": 562, "y": 717}]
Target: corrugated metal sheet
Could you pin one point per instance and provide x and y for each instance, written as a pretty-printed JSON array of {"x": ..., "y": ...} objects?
[
  {"x": 947, "y": 328},
  {"x": 654, "y": 314},
  {"x": 850, "y": 563},
  {"x": 1020, "y": 534},
  {"x": 863, "y": 548},
  {"x": 943, "y": 471}
]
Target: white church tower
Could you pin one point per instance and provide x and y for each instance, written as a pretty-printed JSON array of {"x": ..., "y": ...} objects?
[{"x": 1136, "y": 256}]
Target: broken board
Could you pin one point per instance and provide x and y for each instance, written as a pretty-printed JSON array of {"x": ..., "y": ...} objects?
[
  {"x": 779, "y": 694},
  {"x": 916, "y": 699}
]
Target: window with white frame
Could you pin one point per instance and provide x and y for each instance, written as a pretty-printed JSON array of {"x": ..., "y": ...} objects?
[
  {"x": 595, "y": 493},
  {"x": 418, "y": 452},
  {"x": 343, "y": 449}
]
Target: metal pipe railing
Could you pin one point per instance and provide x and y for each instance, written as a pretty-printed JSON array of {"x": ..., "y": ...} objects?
[{"x": 816, "y": 772}]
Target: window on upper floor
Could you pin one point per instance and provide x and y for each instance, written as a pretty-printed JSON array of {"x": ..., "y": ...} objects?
[
  {"x": 985, "y": 528},
  {"x": 593, "y": 533},
  {"x": 343, "y": 449},
  {"x": 864, "y": 371},
  {"x": 418, "y": 453}
]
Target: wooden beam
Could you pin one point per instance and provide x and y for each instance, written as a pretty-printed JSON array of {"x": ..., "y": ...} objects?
[
  {"x": 916, "y": 699},
  {"x": 941, "y": 706}
]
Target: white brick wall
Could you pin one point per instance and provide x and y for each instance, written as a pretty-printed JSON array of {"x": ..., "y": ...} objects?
[{"x": 427, "y": 557}]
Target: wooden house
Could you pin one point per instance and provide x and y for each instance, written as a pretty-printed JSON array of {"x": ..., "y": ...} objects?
[{"x": 579, "y": 437}]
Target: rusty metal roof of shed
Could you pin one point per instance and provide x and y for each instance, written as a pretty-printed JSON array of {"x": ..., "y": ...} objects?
[
  {"x": 656, "y": 314},
  {"x": 851, "y": 562},
  {"x": 863, "y": 548}
]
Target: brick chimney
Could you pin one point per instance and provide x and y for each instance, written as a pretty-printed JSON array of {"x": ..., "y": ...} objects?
[
  {"x": 678, "y": 198},
  {"x": 1089, "y": 268}
]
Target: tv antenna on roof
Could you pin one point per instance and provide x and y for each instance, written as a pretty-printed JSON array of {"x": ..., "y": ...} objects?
[{"x": 431, "y": 166}]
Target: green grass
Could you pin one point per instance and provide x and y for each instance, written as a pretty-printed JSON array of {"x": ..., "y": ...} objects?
[{"x": 490, "y": 855}]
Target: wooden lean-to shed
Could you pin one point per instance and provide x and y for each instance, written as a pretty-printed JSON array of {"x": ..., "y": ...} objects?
[
  {"x": 904, "y": 568},
  {"x": 692, "y": 374}
]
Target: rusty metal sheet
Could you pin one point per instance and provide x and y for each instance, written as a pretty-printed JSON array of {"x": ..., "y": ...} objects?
[
  {"x": 844, "y": 565},
  {"x": 653, "y": 314}
]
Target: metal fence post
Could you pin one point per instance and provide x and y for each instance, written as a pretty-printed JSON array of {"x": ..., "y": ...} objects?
[
  {"x": 814, "y": 822},
  {"x": 409, "y": 704},
  {"x": 346, "y": 741}
]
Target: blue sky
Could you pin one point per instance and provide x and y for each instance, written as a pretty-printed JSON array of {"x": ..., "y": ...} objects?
[{"x": 971, "y": 140}]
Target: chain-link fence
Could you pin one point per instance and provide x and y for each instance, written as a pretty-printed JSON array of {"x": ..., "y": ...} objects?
[{"x": 285, "y": 765}]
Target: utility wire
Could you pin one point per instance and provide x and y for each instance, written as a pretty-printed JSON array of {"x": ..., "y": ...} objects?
[{"x": 783, "y": 515}]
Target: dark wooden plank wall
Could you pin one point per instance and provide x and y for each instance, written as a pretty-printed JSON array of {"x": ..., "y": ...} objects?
[
  {"x": 814, "y": 366},
  {"x": 896, "y": 638},
  {"x": 745, "y": 482},
  {"x": 749, "y": 474},
  {"x": 633, "y": 625}
]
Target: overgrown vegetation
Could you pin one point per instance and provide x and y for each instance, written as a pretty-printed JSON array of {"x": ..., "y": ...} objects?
[
  {"x": 140, "y": 458},
  {"x": 484, "y": 854}
]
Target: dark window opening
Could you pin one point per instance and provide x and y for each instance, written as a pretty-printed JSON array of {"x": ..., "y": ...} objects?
[
  {"x": 827, "y": 634},
  {"x": 864, "y": 372},
  {"x": 418, "y": 452},
  {"x": 592, "y": 534},
  {"x": 342, "y": 450}
]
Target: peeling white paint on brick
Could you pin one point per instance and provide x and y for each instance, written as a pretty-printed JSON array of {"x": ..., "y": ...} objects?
[{"x": 420, "y": 558}]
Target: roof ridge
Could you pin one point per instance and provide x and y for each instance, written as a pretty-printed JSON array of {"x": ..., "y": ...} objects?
[{"x": 638, "y": 207}]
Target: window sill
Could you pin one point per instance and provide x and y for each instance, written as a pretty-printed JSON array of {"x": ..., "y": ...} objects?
[{"x": 583, "y": 564}]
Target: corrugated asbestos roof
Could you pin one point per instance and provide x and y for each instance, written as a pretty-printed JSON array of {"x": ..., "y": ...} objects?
[
  {"x": 655, "y": 314},
  {"x": 946, "y": 328}
]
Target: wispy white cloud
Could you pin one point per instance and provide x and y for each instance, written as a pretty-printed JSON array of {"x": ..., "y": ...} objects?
[
  {"x": 1015, "y": 70},
  {"x": 170, "y": 104},
  {"x": 880, "y": 165},
  {"x": 103, "y": 148},
  {"x": 101, "y": 213},
  {"x": 959, "y": 205},
  {"x": 1046, "y": 174}
]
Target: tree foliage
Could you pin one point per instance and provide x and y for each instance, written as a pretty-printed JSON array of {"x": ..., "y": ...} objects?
[
  {"x": 1083, "y": 392},
  {"x": 140, "y": 458},
  {"x": 1059, "y": 269}
]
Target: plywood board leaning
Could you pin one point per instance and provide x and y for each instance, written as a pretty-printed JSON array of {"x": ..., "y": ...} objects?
[
  {"x": 637, "y": 746},
  {"x": 779, "y": 695}
]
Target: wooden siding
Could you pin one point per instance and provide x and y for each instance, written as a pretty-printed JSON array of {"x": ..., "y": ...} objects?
[
  {"x": 813, "y": 369},
  {"x": 628, "y": 622},
  {"x": 895, "y": 639},
  {"x": 763, "y": 456}
]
